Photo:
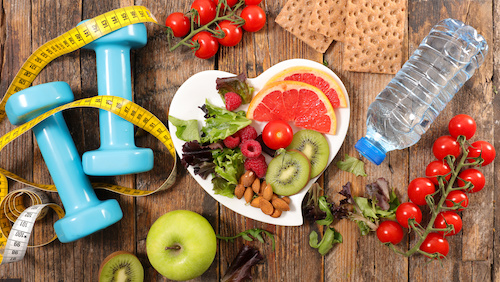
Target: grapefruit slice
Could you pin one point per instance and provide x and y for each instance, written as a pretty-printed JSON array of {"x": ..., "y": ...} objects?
[
  {"x": 305, "y": 105},
  {"x": 317, "y": 78}
]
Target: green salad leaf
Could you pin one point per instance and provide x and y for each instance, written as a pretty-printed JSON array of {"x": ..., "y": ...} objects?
[
  {"x": 221, "y": 123},
  {"x": 237, "y": 84},
  {"x": 229, "y": 164},
  {"x": 352, "y": 165},
  {"x": 222, "y": 187},
  {"x": 330, "y": 238},
  {"x": 187, "y": 130}
]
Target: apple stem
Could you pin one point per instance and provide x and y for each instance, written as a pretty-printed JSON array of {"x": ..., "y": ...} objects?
[{"x": 176, "y": 247}]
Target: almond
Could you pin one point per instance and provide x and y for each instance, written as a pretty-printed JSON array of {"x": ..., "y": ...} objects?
[
  {"x": 276, "y": 213},
  {"x": 268, "y": 193},
  {"x": 256, "y": 202},
  {"x": 266, "y": 206},
  {"x": 286, "y": 199},
  {"x": 274, "y": 197},
  {"x": 280, "y": 204},
  {"x": 256, "y": 186},
  {"x": 248, "y": 194},
  {"x": 263, "y": 184},
  {"x": 239, "y": 191},
  {"x": 247, "y": 178}
]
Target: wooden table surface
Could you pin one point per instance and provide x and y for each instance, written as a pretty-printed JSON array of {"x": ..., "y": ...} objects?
[{"x": 157, "y": 74}]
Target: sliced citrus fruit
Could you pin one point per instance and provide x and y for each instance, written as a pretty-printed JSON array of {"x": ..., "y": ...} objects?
[
  {"x": 305, "y": 105},
  {"x": 317, "y": 78}
]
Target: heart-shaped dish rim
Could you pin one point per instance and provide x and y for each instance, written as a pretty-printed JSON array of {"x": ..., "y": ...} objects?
[{"x": 192, "y": 94}]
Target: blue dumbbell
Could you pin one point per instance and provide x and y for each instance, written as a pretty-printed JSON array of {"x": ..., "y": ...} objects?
[
  {"x": 85, "y": 214},
  {"x": 118, "y": 154}
]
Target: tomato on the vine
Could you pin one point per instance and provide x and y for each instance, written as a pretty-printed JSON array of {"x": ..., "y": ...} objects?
[
  {"x": 232, "y": 33},
  {"x": 252, "y": 2},
  {"x": 450, "y": 218},
  {"x": 230, "y": 3},
  {"x": 255, "y": 18},
  {"x": 437, "y": 168},
  {"x": 179, "y": 23},
  {"x": 435, "y": 243},
  {"x": 208, "y": 45},
  {"x": 444, "y": 146},
  {"x": 462, "y": 125},
  {"x": 408, "y": 210},
  {"x": 474, "y": 176},
  {"x": 277, "y": 134},
  {"x": 390, "y": 232},
  {"x": 457, "y": 196},
  {"x": 419, "y": 188},
  {"x": 207, "y": 11},
  {"x": 483, "y": 149}
]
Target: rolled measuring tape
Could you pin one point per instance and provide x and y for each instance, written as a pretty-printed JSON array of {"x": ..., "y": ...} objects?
[{"x": 14, "y": 238}]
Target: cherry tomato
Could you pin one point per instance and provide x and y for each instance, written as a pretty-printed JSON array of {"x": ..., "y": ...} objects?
[
  {"x": 179, "y": 23},
  {"x": 277, "y": 134},
  {"x": 462, "y": 125},
  {"x": 406, "y": 211},
  {"x": 437, "y": 168},
  {"x": 230, "y": 3},
  {"x": 435, "y": 243},
  {"x": 475, "y": 177},
  {"x": 252, "y": 2},
  {"x": 450, "y": 217},
  {"x": 457, "y": 196},
  {"x": 233, "y": 33},
  {"x": 208, "y": 45},
  {"x": 444, "y": 146},
  {"x": 419, "y": 188},
  {"x": 207, "y": 11},
  {"x": 483, "y": 149},
  {"x": 390, "y": 232},
  {"x": 255, "y": 18}
]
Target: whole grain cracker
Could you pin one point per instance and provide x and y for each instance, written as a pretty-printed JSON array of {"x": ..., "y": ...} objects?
[
  {"x": 328, "y": 18},
  {"x": 374, "y": 35},
  {"x": 294, "y": 17}
]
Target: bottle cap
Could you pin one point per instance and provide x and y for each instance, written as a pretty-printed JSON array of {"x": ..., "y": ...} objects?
[{"x": 370, "y": 151}]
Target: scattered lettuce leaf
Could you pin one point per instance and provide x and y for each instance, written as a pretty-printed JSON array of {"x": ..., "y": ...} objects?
[
  {"x": 187, "y": 130},
  {"x": 352, "y": 165},
  {"x": 229, "y": 164},
  {"x": 237, "y": 84},
  {"x": 222, "y": 187},
  {"x": 221, "y": 123},
  {"x": 330, "y": 238},
  {"x": 240, "y": 268}
]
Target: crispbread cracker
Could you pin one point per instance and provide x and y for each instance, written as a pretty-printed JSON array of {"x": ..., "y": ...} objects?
[
  {"x": 374, "y": 35},
  {"x": 328, "y": 18},
  {"x": 294, "y": 17}
]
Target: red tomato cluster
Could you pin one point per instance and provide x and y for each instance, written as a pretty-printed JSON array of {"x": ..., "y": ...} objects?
[
  {"x": 421, "y": 190},
  {"x": 253, "y": 16}
]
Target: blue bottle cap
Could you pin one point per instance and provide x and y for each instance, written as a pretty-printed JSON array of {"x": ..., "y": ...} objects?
[{"x": 370, "y": 151}]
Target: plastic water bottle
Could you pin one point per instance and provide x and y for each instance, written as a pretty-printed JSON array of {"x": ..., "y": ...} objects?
[{"x": 412, "y": 100}]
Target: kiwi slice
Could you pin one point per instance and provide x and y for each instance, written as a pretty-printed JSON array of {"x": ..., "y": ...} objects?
[
  {"x": 288, "y": 172},
  {"x": 314, "y": 145},
  {"x": 121, "y": 266}
]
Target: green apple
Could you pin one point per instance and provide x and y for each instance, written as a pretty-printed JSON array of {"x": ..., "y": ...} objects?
[{"x": 181, "y": 245}]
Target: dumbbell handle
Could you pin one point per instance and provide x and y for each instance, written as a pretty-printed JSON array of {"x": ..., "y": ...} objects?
[
  {"x": 64, "y": 164},
  {"x": 113, "y": 63}
]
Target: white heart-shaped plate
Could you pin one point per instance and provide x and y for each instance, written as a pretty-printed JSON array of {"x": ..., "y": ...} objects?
[{"x": 192, "y": 94}]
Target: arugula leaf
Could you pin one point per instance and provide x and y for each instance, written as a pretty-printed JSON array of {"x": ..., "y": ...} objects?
[
  {"x": 222, "y": 187},
  {"x": 229, "y": 164},
  {"x": 187, "y": 130},
  {"x": 221, "y": 123},
  {"x": 352, "y": 165},
  {"x": 255, "y": 232},
  {"x": 237, "y": 84},
  {"x": 330, "y": 238}
]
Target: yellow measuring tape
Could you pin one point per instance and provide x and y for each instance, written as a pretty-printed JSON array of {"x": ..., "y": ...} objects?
[{"x": 11, "y": 205}]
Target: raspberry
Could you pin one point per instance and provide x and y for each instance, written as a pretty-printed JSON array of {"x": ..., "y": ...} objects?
[
  {"x": 257, "y": 165},
  {"x": 250, "y": 148},
  {"x": 233, "y": 101},
  {"x": 232, "y": 141},
  {"x": 247, "y": 133}
]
